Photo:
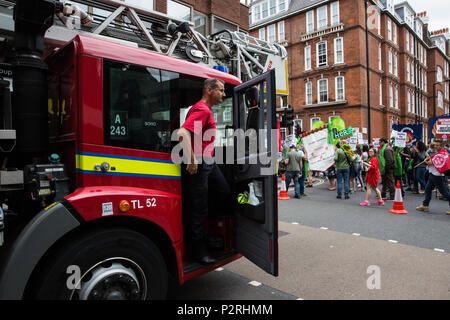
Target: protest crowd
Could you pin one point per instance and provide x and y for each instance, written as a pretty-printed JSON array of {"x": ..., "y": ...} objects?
[{"x": 417, "y": 168}]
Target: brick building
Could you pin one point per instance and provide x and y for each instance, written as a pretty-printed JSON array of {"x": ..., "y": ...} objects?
[
  {"x": 328, "y": 74},
  {"x": 208, "y": 16}
]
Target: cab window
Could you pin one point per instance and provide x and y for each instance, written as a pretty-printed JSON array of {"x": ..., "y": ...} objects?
[
  {"x": 137, "y": 106},
  {"x": 143, "y": 106}
]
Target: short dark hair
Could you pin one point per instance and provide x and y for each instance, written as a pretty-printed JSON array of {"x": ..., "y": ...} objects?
[
  {"x": 211, "y": 83},
  {"x": 383, "y": 140}
]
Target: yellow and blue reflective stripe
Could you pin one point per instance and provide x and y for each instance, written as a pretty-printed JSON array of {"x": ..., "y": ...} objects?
[{"x": 127, "y": 166}]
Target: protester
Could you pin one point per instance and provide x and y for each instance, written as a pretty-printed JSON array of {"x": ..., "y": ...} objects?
[
  {"x": 343, "y": 170},
  {"x": 352, "y": 177},
  {"x": 436, "y": 179},
  {"x": 310, "y": 184},
  {"x": 294, "y": 166},
  {"x": 404, "y": 154},
  {"x": 387, "y": 165},
  {"x": 359, "y": 181},
  {"x": 420, "y": 167},
  {"x": 398, "y": 171},
  {"x": 331, "y": 174},
  {"x": 301, "y": 179},
  {"x": 364, "y": 158},
  {"x": 373, "y": 178},
  {"x": 410, "y": 169}
]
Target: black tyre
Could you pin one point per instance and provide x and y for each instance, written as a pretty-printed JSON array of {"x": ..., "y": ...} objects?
[{"x": 107, "y": 264}]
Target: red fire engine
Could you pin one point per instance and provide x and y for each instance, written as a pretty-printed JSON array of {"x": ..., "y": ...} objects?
[{"x": 91, "y": 200}]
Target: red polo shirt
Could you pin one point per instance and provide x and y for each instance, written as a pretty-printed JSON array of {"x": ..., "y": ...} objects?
[{"x": 198, "y": 121}]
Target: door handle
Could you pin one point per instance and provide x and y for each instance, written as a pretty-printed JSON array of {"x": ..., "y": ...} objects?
[{"x": 104, "y": 167}]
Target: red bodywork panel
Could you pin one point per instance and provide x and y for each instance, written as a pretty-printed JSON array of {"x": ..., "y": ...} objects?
[
  {"x": 98, "y": 195},
  {"x": 148, "y": 204}
]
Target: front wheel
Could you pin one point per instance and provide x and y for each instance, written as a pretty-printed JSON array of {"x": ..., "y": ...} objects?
[{"x": 108, "y": 264}]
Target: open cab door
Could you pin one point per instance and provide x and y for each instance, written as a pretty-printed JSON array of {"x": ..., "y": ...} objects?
[{"x": 254, "y": 171}]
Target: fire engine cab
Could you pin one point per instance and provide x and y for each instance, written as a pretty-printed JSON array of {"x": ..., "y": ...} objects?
[{"x": 91, "y": 200}]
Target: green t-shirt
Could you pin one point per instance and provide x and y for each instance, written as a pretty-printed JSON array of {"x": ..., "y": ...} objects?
[
  {"x": 294, "y": 161},
  {"x": 341, "y": 159}
]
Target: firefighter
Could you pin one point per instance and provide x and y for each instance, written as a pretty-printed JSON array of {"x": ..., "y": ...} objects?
[{"x": 201, "y": 174}]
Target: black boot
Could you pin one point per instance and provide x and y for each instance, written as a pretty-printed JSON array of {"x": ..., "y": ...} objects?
[{"x": 200, "y": 253}]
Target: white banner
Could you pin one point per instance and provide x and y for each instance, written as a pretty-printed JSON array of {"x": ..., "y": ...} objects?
[{"x": 320, "y": 153}]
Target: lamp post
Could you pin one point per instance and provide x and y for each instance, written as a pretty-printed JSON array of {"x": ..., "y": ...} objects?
[{"x": 369, "y": 129}]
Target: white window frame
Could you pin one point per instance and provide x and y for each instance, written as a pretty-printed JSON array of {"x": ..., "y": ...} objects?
[
  {"x": 381, "y": 93},
  {"x": 394, "y": 33},
  {"x": 310, "y": 21},
  {"x": 264, "y": 4},
  {"x": 273, "y": 5},
  {"x": 390, "y": 61},
  {"x": 262, "y": 33},
  {"x": 318, "y": 90},
  {"x": 308, "y": 60},
  {"x": 280, "y": 2},
  {"x": 319, "y": 11},
  {"x": 337, "y": 88},
  {"x": 281, "y": 32},
  {"x": 391, "y": 96},
  {"x": 326, "y": 54},
  {"x": 336, "y": 40},
  {"x": 271, "y": 33},
  {"x": 425, "y": 83},
  {"x": 380, "y": 66},
  {"x": 407, "y": 40},
  {"x": 408, "y": 71},
  {"x": 440, "y": 99},
  {"x": 395, "y": 66},
  {"x": 412, "y": 43},
  {"x": 389, "y": 29},
  {"x": 408, "y": 99},
  {"x": 256, "y": 12},
  {"x": 396, "y": 97},
  {"x": 335, "y": 17},
  {"x": 308, "y": 93},
  {"x": 439, "y": 74}
]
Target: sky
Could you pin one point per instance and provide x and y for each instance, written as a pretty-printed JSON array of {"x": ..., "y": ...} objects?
[{"x": 437, "y": 11}]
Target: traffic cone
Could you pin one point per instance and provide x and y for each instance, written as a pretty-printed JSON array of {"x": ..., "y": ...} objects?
[
  {"x": 398, "y": 201},
  {"x": 283, "y": 193}
]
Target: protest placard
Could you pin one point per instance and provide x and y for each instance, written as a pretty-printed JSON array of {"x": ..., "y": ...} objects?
[
  {"x": 320, "y": 153},
  {"x": 400, "y": 139}
]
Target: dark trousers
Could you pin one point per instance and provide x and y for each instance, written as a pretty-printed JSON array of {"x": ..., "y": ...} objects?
[
  {"x": 342, "y": 176},
  {"x": 387, "y": 180},
  {"x": 419, "y": 177},
  {"x": 197, "y": 188},
  {"x": 399, "y": 178},
  {"x": 438, "y": 182},
  {"x": 293, "y": 175}
]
